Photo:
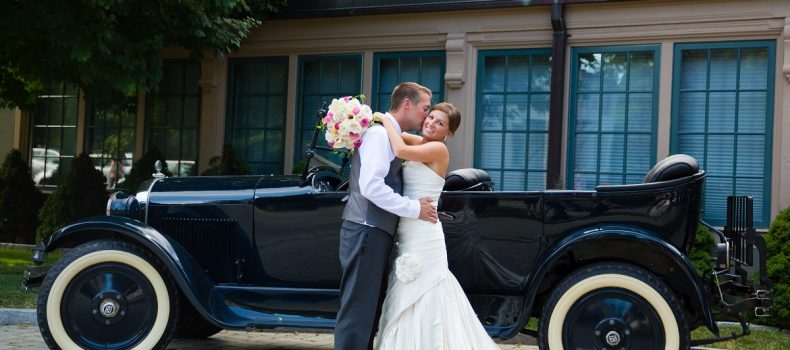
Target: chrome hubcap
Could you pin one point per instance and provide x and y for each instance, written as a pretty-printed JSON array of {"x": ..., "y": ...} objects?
[
  {"x": 613, "y": 338},
  {"x": 109, "y": 308}
]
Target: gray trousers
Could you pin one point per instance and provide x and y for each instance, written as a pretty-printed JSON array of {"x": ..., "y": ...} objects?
[{"x": 364, "y": 258}]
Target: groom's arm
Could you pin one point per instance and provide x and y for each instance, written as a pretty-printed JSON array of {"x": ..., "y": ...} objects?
[{"x": 375, "y": 161}]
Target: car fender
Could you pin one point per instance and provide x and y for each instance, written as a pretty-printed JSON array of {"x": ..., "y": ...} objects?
[
  {"x": 586, "y": 244},
  {"x": 193, "y": 282}
]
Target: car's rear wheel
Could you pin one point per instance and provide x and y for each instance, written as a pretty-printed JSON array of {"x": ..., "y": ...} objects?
[
  {"x": 107, "y": 295},
  {"x": 612, "y": 306}
]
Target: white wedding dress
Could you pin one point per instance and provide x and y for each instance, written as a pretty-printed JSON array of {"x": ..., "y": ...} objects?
[{"x": 425, "y": 307}]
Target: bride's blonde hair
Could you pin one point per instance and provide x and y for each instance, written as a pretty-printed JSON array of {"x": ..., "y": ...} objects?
[{"x": 453, "y": 114}]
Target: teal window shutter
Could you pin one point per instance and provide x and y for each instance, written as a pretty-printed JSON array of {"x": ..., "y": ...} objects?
[
  {"x": 255, "y": 118},
  {"x": 173, "y": 116},
  {"x": 321, "y": 79},
  {"x": 512, "y": 117},
  {"x": 392, "y": 68},
  {"x": 54, "y": 134},
  {"x": 612, "y": 115},
  {"x": 722, "y": 108}
]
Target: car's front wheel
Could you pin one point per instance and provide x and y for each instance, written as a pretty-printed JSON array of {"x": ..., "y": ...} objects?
[
  {"x": 612, "y": 306},
  {"x": 107, "y": 295}
]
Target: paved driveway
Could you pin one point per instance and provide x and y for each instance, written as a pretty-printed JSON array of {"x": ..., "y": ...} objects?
[{"x": 28, "y": 337}]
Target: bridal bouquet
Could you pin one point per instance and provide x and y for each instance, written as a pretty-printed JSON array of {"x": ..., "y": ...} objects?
[{"x": 345, "y": 122}]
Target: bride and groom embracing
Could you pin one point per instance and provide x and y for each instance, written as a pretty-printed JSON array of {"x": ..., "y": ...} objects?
[{"x": 425, "y": 306}]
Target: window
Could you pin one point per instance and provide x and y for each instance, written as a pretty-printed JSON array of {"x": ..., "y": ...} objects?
[
  {"x": 392, "y": 68},
  {"x": 255, "y": 124},
  {"x": 321, "y": 79},
  {"x": 54, "y": 134},
  {"x": 722, "y": 107},
  {"x": 512, "y": 117},
  {"x": 612, "y": 116},
  {"x": 110, "y": 142},
  {"x": 173, "y": 117}
]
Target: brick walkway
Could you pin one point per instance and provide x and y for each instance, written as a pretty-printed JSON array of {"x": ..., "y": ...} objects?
[{"x": 28, "y": 337}]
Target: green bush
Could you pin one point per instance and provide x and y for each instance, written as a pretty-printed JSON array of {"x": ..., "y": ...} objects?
[
  {"x": 20, "y": 200},
  {"x": 230, "y": 163},
  {"x": 701, "y": 251},
  {"x": 143, "y": 170},
  {"x": 81, "y": 194},
  {"x": 778, "y": 268}
]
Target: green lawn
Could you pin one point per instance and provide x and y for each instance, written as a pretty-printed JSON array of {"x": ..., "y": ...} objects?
[{"x": 13, "y": 262}]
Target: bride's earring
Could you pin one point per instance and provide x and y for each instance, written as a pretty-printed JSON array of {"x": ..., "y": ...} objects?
[{"x": 445, "y": 139}]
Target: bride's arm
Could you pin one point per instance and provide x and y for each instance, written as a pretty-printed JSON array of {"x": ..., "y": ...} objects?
[
  {"x": 411, "y": 139},
  {"x": 426, "y": 152}
]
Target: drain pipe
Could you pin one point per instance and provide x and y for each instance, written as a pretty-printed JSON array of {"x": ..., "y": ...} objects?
[{"x": 559, "y": 41}]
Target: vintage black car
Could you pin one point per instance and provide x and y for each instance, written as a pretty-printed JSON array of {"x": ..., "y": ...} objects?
[{"x": 601, "y": 269}]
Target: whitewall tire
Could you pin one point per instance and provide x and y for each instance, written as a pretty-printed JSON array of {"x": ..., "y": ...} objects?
[{"x": 110, "y": 295}]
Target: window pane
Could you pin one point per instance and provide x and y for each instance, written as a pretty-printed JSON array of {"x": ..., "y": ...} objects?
[
  {"x": 694, "y": 71},
  {"x": 515, "y": 106},
  {"x": 410, "y": 69},
  {"x": 173, "y": 116},
  {"x": 423, "y": 67},
  {"x": 518, "y": 74},
  {"x": 614, "y": 71},
  {"x": 724, "y": 124},
  {"x": 721, "y": 112},
  {"x": 613, "y": 135},
  {"x": 723, "y": 68},
  {"x": 259, "y": 126}
]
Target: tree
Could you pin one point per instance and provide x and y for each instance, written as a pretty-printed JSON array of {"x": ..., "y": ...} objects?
[
  {"x": 20, "y": 200},
  {"x": 231, "y": 163},
  {"x": 778, "y": 268},
  {"x": 81, "y": 194},
  {"x": 111, "y": 49}
]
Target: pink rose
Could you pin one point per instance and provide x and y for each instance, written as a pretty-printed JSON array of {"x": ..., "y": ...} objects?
[
  {"x": 365, "y": 122},
  {"x": 357, "y": 143},
  {"x": 352, "y": 135},
  {"x": 331, "y": 144},
  {"x": 355, "y": 111},
  {"x": 327, "y": 120},
  {"x": 337, "y": 126},
  {"x": 346, "y": 98},
  {"x": 330, "y": 115}
]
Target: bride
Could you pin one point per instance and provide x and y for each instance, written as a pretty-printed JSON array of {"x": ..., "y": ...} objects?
[{"x": 425, "y": 307}]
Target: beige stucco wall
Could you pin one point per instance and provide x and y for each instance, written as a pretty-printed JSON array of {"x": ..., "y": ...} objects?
[
  {"x": 6, "y": 131},
  {"x": 463, "y": 33}
]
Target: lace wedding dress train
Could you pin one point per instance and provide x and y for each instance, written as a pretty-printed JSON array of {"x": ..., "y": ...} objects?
[{"x": 425, "y": 307}]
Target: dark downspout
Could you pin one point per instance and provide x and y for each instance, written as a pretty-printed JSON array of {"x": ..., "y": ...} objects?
[{"x": 554, "y": 160}]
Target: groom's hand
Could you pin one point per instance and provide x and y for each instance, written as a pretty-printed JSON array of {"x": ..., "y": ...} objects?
[{"x": 428, "y": 211}]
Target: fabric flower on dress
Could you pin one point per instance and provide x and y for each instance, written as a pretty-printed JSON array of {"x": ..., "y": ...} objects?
[{"x": 407, "y": 267}]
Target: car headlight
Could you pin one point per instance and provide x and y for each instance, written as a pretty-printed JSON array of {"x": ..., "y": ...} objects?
[{"x": 122, "y": 204}]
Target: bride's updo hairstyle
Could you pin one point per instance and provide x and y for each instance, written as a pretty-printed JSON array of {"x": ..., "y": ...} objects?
[{"x": 452, "y": 114}]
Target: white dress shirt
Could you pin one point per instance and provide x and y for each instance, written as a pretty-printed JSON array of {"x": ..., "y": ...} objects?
[{"x": 375, "y": 157}]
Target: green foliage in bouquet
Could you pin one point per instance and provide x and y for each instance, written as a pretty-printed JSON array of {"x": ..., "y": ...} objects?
[
  {"x": 81, "y": 194},
  {"x": 778, "y": 268},
  {"x": 230, "y": 163},
  {"x": 143, "y": 170},
  {"x": 20, "y": 200},
  {"x": 701, "y": 251}
]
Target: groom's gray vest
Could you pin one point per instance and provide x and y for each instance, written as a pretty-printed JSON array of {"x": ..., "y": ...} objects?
[{"x": 362, "y": 211}]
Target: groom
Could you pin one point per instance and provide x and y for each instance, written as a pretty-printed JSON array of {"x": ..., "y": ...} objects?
[{"x": 371, "y": 217}]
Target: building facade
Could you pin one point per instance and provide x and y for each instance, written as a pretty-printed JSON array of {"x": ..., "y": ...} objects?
[{"x": 639, "y": 80}]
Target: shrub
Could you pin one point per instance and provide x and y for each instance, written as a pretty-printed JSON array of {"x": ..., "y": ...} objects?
[
  {"x": 778, "y": 268},
  {"x": 701, "y": 251},
  {"x": 143, "y": 170},
  {"x": 230, "y": 163},
  {"x": 20, "y": 200},
  {"x": 81, "y": 194}
]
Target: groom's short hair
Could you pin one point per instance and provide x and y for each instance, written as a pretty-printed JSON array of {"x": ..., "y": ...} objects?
[{"x": 408, "y": 90}]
